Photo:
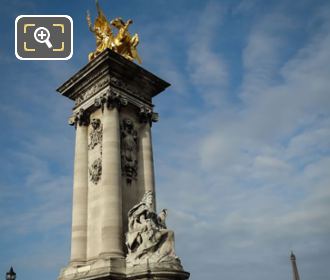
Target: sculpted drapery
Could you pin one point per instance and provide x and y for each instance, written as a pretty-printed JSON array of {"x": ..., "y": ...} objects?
[{"x": 148, "y": 239}]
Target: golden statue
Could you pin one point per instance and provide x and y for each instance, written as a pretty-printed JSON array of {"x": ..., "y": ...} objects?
[{"x": 122, "y": 43}]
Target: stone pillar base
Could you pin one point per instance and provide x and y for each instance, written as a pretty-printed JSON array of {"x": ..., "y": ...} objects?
[
  {"x": 156, "y": 272},
  {"x": 101, "y": 268},
  {"x": 115, "y": 269}
]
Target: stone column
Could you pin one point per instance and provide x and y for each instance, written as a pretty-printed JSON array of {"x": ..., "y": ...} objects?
[
  {"x": 112, "y": 228},
  {"x": 80, "y": 191},
  {"x": 146, "y": 161}
]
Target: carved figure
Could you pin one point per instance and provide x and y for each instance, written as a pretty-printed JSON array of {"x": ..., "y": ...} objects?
[
  {"x": 122, "y": 43},
  {"x": 129, "y": 150},
  {"x": 148, "y": 239}
]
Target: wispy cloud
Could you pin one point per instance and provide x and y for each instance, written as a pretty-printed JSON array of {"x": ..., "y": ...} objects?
[
  {"x": 206, "y": 66},
  {"x": 244, "y": 180},
  {"x": 258, "y": 186}
]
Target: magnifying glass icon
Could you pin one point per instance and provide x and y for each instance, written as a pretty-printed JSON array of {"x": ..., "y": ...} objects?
[{"x": 41, "y": 35}]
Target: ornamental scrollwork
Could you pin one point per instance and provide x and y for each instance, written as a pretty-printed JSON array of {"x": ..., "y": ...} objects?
[
  {"x": 95, "y": 136},
  {"x": 110, "y": 99},
  {"x": 147, "y": 115},
  {"x": 129, "y": 146},
  {"x": 79, "y": 118},
  {"x": 95, "y": 171}
]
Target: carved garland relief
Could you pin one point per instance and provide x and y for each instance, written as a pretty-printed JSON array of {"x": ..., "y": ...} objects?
[{"x": 95, "y": 138}]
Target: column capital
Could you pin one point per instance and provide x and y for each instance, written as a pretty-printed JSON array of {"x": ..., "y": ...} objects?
[
  {"x": 147, "y": 115},
  {"x": 110, "y": 99},
  {"x": 79, "y": 118}
]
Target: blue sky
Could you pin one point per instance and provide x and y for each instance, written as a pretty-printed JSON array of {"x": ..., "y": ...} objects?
[{"x": 242, "y": 150}]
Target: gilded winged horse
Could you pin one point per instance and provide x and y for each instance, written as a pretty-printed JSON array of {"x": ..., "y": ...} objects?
[{"x": 122, "y": 43}]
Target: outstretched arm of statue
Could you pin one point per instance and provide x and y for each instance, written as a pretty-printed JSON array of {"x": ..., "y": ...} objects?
[
  {"x": 89, "y": 22},
  {"x": 98, "y": 8},
  {"x": 162, "y": 218}
]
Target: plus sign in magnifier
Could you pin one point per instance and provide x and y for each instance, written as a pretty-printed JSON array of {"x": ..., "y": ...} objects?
[{"x": 41, "y": 35}]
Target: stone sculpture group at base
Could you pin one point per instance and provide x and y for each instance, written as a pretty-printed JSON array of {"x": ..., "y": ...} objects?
[{"x": 148, "y": 240}]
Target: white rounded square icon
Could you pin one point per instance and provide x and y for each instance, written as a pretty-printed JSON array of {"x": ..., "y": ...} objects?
[{"x": 43, "y": 37}]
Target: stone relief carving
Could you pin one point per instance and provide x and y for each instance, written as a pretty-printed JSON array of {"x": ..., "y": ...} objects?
[
  {"x": 95, "y": 171},
  {"x": 94, "y": 76},
  {"x": 129, "y": 147},
  {"x": 124, "y": 86},
  {"x": 101, "y": 84},
  {"x": 95, "y": 136},
  {"x": 148, "y": 240},
  {"x": 92, "y": 90}
]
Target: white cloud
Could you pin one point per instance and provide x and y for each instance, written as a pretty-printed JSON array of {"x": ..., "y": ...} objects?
[
  {"x": 207, "y": 69},
  {"x": 259, "y": 185},
  {"x": 46, "y": 192},
  {"x": 244, "y": 183}
]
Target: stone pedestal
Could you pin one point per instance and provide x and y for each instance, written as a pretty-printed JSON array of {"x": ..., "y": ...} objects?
[{"x": 113, "y": 166}]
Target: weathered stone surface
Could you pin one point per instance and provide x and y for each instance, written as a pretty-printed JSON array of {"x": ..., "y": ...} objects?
[
  {"x": 100, "y": 268},
  {"x": 156, "y": 272}
]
